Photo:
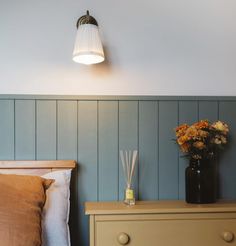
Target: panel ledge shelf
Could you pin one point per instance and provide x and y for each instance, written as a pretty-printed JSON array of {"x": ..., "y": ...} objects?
[{"x": 115, "y": 97}]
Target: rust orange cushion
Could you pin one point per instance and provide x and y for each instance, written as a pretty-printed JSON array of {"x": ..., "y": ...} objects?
[{"x": 21, "y": 202}]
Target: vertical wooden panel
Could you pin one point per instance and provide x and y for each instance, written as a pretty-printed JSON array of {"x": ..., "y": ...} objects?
[
  {"x": 208, "y": 110},
  {"x": 87, "y": 147},
  {"x": 148, "y": 148},
  {"x": 168, "y": 152},
  {"x": 46, "y": 130},
  {"x": 7, "y": 129},
  {"x": 66, "y": 136},
  {"x": 88, "y": 164},
  {"x": 24, "y": 129},
  {"x": 67, "y": 130},
  {"x": 128, "y": 138},
  {"x": 227, "y": 162},
  {"x": 108, "y": 150},
  {"x": 188, "y": 113}
]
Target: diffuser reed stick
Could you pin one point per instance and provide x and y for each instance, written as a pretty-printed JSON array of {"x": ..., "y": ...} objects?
[{"x": 128, "y": 160}]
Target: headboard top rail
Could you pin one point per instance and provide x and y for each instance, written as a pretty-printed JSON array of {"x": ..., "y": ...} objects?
[{"x": 47, "y": 164}]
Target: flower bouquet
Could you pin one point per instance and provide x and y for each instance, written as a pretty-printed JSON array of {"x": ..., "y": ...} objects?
[{"x": 203, "y": 139}]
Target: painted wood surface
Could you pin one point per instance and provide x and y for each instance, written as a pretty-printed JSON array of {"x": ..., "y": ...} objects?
[
  {"x": 92, "y": 130},
  {"x": 188, "y": 113},
  {"x": 25, "y": 130},
  {"x": 148, "y": 150},
  {"x": 7, "y": 129},
  {"x": 167, "y": 151},
  {"x": 227, "y": 167},
  {"x": 46, "y": 130},
  {"x": 108, "y": 151},
  {"x": 66, "y": 130},
  {"x": 88, "y": 162}
]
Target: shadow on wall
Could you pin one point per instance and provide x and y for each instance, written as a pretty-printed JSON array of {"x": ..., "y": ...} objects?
[
  {"x": 79, "y": 222},
  {"x": 74, "y": 207},
  {"x": 104, "y": 68}
]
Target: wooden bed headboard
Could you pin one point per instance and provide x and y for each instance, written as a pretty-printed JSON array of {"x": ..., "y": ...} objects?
[
  {"x": 35, "y": 167},
  {"x": 39, "y": 168}
]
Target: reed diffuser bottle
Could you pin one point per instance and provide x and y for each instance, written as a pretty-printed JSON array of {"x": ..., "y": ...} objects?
[{"x": 128, "y": 160}]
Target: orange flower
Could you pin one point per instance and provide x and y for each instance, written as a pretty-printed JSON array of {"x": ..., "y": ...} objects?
[
  {"x": 191, "y": 132},
  {"x": 183, "y": 139},
  {"x": 180, "y": 130},
  {"x": 201, "y": 124}
]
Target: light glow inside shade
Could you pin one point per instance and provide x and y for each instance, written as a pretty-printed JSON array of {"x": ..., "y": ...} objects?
[{"x": 88, "y": 46}]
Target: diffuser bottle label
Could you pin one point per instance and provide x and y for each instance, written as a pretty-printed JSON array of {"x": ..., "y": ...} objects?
[{"x": 129, "y": 194}]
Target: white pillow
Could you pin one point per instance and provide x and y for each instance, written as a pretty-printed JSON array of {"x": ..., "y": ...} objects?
[{"x": 55, "y": 229}]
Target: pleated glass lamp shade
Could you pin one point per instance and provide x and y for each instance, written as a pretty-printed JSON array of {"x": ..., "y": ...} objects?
[{"x": 88, "y": 46}]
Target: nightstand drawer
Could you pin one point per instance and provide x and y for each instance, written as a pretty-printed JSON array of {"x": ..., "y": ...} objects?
[{"x": 182, "y": 232}]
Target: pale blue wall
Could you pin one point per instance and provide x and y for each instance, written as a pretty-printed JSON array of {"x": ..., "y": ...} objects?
[{"x": 91, "y": 130}]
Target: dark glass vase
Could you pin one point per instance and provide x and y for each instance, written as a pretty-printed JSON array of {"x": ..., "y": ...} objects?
[{"x": 200, "y": 181}]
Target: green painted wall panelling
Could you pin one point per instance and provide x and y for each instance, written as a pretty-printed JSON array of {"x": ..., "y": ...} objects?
[
  {"x": 7, "y": 131},
  {"x": 25, "y": 134},
  {"x": 227, "y": 162},
  {"x": 188, "y": 113},
  {"x": 148, "y": 150},
  {"x": 208, "y": 110},
  {"x": 93, "y": 129},
  {"x": 168, "y": 152},
  {"x": 108, "y": 151},
  {"x": 88, "y": 161},
  {"x": 67, "y": 130},
  {"x": 46, "y": 130}
]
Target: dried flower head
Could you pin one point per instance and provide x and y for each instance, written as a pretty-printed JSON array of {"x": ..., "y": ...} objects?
[
  {"x": 201, "y": 124},
  {"x": 180, "y": 130},
  {"x": 221, "y": 126}
]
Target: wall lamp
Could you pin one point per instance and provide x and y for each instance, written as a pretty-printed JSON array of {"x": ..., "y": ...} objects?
[{"x": 88, "y": 46}]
